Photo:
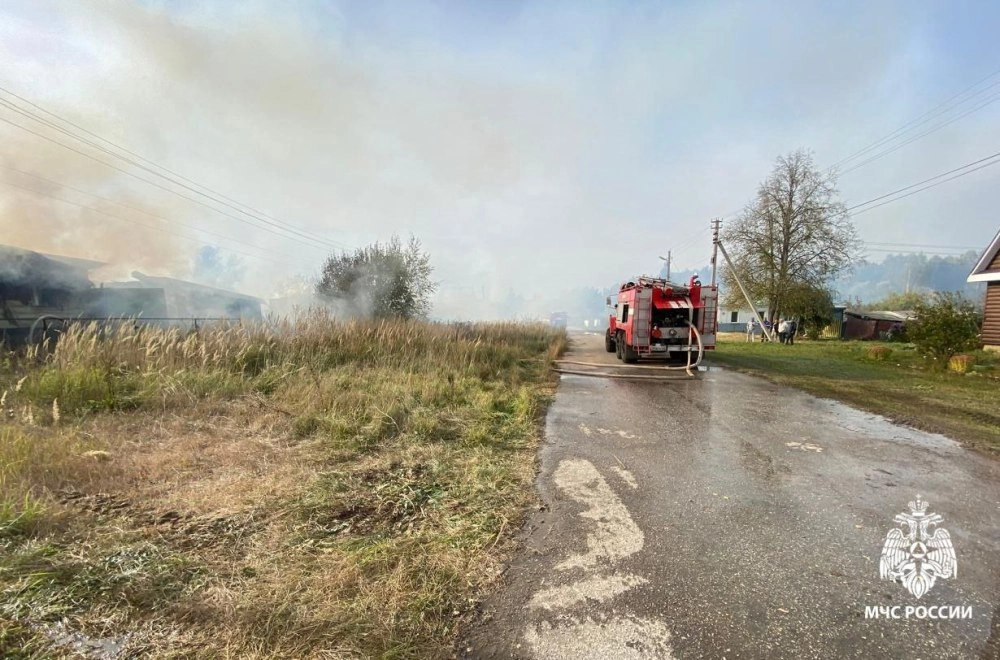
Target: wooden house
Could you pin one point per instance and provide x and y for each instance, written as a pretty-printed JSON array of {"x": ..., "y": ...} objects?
[{"x": 988, "y": 270}]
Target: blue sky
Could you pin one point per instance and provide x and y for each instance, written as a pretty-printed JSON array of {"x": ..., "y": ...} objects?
[{"x": 521, "y": 141}]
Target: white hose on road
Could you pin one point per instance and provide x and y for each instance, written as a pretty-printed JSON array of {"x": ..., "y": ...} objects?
[
  {"x": 687, "y": 368},
  {"x": 596, "y": 374}
]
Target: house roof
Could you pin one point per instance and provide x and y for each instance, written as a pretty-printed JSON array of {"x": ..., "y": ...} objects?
[
  {"x": 987, "y": 268},
  {"x": 75, "y": 262},
  {"x": 172, "y": 283},
  {"x": 26, "y": 267},
  {"x": 884, "y": 315}
]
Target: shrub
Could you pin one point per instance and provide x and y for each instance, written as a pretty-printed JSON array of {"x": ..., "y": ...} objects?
[
  {"x": 379, "y": 281},
  {"x": 879, "y": 353},
  {"x": 949, "y": 324},
  {"x": 961, "y": 364}
]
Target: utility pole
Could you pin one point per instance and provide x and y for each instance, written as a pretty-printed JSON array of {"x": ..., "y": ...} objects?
[
  {"x": 739, "y": 283},
  {"x": 667, "y": 259},
  {"x": 715, "y": 244}
]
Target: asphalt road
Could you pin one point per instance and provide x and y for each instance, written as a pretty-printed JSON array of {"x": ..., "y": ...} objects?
[{"x": 726, "y": 517}]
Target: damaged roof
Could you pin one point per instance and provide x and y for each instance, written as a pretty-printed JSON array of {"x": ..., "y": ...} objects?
[
  {"x": 884, "y": 315},
  {"x": 182, "y": 285},
  {"x": 20, "y": 267}
]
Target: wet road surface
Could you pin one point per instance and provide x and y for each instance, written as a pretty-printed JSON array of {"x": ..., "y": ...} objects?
[{"x": 726, "y": 517}]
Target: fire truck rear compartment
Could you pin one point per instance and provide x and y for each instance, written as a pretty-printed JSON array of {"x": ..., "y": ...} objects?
[{"x": 672, "y": 325}]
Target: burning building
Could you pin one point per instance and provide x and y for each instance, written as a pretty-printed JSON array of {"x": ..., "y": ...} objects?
[
  {"x": 36, "y": 286},
  {"x": 187, "y": 301},
  {"x": 40, "y": 293}
]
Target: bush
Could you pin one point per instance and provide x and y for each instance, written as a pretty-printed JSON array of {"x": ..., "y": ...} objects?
[
  {"x": 379, "y": 281},
  {"x": 949, "y": 324},
  {"x": 878, "y": 353},
  {"x": 961, "y": 364}
]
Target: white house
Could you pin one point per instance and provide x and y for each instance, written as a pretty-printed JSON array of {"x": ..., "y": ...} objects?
[{"x": 735, "y": 320}]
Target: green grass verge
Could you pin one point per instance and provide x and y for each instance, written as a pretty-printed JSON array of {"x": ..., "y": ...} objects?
[{"x": 891, "y": 380}]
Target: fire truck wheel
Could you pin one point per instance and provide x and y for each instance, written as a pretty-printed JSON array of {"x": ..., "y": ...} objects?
[
  {"x": 628, "y": 355},
  {"x": 609, "y": 343}
]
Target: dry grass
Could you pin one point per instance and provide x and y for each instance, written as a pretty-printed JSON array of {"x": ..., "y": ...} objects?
[{"x": 316, "y": 489}]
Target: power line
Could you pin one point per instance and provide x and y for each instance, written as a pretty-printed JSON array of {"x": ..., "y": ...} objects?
[
  {"x": 153, "y": 183},
  {"x": 141, "y": 224},
  {"x": 991, "y": 100},
  {"x": 922, "y": 245},
  {"x": 125, "y": 150},
  {"x": 938, "y": 252},
  {"x": 272, "y": 223},
  {"x": 914, "y": 192},
  {"x": 933, "y": 113},
  {"x": 914, "y": 185},
  {"x": 922, "y": 119},
  {"x": 254, "y": 214},
  {"x": 127, "y": 206},
  {"x": 695, "y": 237}
]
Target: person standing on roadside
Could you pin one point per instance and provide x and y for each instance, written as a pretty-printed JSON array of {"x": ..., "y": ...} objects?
[
  {"x": 793, "y": 327},
  {"x": 752, "y": 329},
  {"x": 783, "y": 331}
]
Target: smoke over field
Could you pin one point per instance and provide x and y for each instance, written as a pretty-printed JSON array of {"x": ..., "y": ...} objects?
[{"x": 531, "y": 147}]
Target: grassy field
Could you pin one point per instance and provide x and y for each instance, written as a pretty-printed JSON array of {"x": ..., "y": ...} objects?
[
  {"x": 885, "y": 378},
  {"x": 311, "y": 490}
]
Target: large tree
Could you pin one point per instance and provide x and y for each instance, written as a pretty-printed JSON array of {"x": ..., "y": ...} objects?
[
  {"x": 380, "y": 281},
  {"x": 795, "y": 236}
]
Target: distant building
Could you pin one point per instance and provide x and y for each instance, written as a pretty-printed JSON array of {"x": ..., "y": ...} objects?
[
  {"x": 987, "y": 270},
  {"x": 874, "y": 325},
  {"x": 735, "y": 320}
]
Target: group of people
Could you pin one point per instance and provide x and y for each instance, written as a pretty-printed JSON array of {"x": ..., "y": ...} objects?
[{"x": 786, "y": 329}]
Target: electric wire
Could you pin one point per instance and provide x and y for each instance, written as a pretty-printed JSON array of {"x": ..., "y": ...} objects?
[
  {"x": 922, "y": 245},
  {"x": 139, "y": 157},
  {"x": 924, "y": 118},
  {"x": 919, "y": 183},
  {"x": 272, "y": 226},
  {"x": 934, "y": 252},
  {"x": 127, "y": 206},
  {"x": 919, "y": 190},
  {"x": 153, "y": 183},
  {"x": 992, "y": 99},
  {"x": 143, "y": 224},
  {"x": 214, "y": 196}
]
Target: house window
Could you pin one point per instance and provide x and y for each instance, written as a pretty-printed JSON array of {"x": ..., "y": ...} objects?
[{"x": 734, "y": 317}]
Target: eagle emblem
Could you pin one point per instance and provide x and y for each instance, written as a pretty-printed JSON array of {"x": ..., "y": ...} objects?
[{"x": 915, "y": 557}]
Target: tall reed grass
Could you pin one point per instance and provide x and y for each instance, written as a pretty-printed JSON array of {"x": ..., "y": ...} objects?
[
  {"x": 119, "y": 366},
  {"x": 316, "y": 339},
  {"x": 397, "y": 460}
]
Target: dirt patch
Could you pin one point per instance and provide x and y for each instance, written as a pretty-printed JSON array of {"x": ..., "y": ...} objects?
[
  {"x": 182, "y": 530},
  {"x": 394, "y": 499}
]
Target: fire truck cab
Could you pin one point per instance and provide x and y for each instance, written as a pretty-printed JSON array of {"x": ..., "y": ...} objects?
[{"x": 656, "y": 318}]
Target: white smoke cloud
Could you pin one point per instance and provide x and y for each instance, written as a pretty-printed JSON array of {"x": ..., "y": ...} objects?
[{"x": 529, "y": 146}]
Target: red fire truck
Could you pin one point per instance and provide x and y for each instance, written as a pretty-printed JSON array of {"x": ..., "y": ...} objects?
[{"x": 657, "y": 318}]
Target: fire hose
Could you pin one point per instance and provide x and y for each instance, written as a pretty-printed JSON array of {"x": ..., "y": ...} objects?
[{"x": 687, "y": 368}]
